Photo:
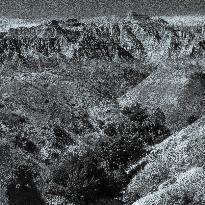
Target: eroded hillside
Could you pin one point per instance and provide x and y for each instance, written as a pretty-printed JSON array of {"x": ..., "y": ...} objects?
[{"x": 88, "y": 111}]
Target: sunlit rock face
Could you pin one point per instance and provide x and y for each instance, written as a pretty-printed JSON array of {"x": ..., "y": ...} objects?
[
  {"x": 135, "y": 37},
  {"x": 109, "y": 41}
]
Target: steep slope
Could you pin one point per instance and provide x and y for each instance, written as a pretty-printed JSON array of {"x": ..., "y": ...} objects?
[
  {"x": 125, "y": 39},
  {"x": 174, "y": 171},
  {"x": 176, "y": 88}
]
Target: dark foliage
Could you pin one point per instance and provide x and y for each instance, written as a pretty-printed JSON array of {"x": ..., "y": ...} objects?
[
  {"x": 109, "y": 202},
  {"x": 85, "y": 180},
  {"x": 202, "y": 44},
  {"x": 22, "y": 190},
  {"x": 200, "y": 78},
  {"x": 100, "y": 174},
  {"x": 129, "y": 139},
  {"x": 191, "y": 119},
  {"x": 25, "y": 144},
  {"x": 62, "y": 137},
  {"x": 135, "y": 113}
]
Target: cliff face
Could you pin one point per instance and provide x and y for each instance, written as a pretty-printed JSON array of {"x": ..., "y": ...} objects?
[{"x": 127, "y": 39}]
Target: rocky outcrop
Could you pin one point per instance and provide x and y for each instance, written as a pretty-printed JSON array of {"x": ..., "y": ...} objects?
[
  {"x": 136, "y": 37},
  {"x": 113, "y": 41}
]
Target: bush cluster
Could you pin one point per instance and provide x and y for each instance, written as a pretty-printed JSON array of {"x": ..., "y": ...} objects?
[{"x": 101, "y": 173}]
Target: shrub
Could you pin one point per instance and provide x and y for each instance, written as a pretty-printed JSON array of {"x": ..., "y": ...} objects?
[
  {"x": 128, "y": 140},
  {"x": 62, "y": 137},
  {"x": 101, "y": 173},
  {"x": 191, "y": 119},
  {"x": 25, "y": 144},
  {"x": 22, "y": 190},
  {"x": 85, "y": 180}
]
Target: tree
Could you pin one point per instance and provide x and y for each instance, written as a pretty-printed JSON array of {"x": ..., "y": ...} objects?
[{"x": 129, "y": 139}]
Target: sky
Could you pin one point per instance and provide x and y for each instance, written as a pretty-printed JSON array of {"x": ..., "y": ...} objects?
[{"x": 87, "y": 8}]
